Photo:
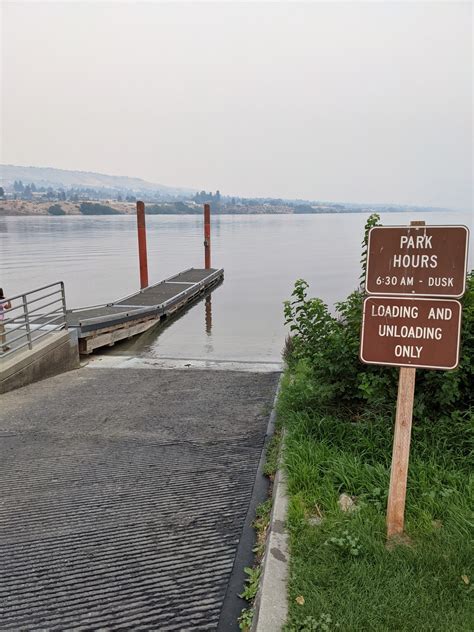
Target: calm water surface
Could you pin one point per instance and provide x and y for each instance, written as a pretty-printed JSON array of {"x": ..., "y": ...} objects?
[{"x": 96, "y": 257}]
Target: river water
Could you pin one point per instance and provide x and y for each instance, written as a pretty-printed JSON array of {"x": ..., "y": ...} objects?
[{"x": 262, "y": 256}]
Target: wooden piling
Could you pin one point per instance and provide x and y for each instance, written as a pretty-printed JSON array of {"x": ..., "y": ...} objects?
[
  {"x": 142, "y": 253},
  {"x": 207, "y": 236}
]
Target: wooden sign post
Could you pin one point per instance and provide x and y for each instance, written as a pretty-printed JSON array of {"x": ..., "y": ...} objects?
[
  {"x": 401, "y": 452},
  {"x": 401, "y": 329},
  {"x": 401, "y": 447}
]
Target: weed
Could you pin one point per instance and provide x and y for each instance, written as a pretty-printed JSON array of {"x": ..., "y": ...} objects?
[
  {"x": 245, "y": 619},
  {"x": 288, "y": 349},
  {"x": 273, "y": 452},
  {"x": 261, "y": 524},
  {"x": 376, "y": 496},
  {"x": 324, "y": 623},
  {"x": 251, "y": 583},
  {"x": 346, "y": 543}
]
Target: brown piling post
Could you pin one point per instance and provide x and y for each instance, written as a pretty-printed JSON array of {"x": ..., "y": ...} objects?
[
  {"x": 142, "y": 255},
  {"x": 208, "y": 309},
  {"x": 207, "y": 236}
]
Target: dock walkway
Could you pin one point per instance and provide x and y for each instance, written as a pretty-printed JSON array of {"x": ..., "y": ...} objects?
[
  {"x": 125, "y": 493},
  {"x": 104, "y": 325}
]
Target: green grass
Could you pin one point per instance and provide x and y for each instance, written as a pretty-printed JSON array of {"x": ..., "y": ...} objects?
[
  {"x": 425, "y": 584},
  {"x": 273, "y": 452}
]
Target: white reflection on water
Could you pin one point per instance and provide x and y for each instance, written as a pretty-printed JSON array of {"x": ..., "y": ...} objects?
[{"x": 97, "y": 259}]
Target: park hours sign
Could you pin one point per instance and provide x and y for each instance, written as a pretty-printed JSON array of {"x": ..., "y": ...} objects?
[
  {"x": 411, "y": 321},
  {"x": 417, "y": 260}
]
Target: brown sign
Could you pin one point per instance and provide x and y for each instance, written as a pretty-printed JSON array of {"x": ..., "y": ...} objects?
[
  {"x": 411, "y": 332},
  {"x": 417, "y": 260}
]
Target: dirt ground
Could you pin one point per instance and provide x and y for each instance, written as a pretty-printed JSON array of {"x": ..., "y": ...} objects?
[{"x": 26, "y": 207}]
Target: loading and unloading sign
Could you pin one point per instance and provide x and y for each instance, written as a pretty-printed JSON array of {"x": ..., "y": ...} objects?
[{"x": 414, "y": 263}]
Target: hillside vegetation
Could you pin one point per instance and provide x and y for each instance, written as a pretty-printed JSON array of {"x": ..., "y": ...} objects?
[{"x": 65, "y": 178}]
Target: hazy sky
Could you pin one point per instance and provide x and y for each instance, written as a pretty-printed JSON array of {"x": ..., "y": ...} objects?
[{"x": 362, "y": 102}]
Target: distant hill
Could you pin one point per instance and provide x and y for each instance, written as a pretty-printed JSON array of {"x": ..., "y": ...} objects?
[{"x": 50, "y": 177}]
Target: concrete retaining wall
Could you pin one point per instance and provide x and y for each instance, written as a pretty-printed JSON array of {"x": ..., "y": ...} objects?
[{"x": 54, "y": 354}]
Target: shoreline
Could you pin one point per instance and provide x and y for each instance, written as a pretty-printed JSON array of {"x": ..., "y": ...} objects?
[{"x": 94, "y": 208}]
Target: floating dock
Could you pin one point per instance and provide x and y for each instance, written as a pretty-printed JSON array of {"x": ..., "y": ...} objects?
[{"x": 104, "y": 325}]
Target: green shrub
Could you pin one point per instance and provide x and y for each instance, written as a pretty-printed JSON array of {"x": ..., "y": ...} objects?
[
  {"x": 93, "y": 208},
  {"x": 56, "y": 209},
  {"x": 157, "y": 209},
  {"x": 327, "y": 349},
  {"x": 176, "y": 208}
]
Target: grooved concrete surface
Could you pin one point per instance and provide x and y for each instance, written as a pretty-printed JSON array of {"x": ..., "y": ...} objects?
[
  {"x": 194, "y": 275},
  {"x": 115, "y": 311},
  {"x": 157, "y": 294},
  {"x": 123, "y": 496}
]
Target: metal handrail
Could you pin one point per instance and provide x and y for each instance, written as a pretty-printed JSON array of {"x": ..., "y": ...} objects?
[
  {"x": 36, "y": 328},
  {"x": 35, "y": 300},
  {"x": 33, "y": 323},
  {"x": 42, "y": 321},
  {"x": 38, "y": 289},
  {"x": 41, "y": 307}
]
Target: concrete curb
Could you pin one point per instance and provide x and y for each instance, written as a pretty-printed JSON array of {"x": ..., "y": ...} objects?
[
  {"x": 233, "y": 603},
  {"x": 271, "y": 603}
]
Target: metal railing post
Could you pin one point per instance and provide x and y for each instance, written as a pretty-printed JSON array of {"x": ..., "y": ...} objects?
[
  {"x": 35, "y": 311},
  {"x": 27, "y": 321},
  {"x": 63, "y": 296}
]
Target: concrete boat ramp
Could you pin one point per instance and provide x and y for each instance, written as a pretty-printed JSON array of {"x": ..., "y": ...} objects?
[
  {"x": 129, "y": 485},
  {"x": 128, "y": 496}
]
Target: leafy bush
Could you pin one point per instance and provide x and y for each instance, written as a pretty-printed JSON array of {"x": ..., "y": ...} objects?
[
  {"x": 333, "y": 377},
  {"x": 93, "y": 208},
  {"x": 176, "y": 208},
  {"x": 56, "y": 209}
]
